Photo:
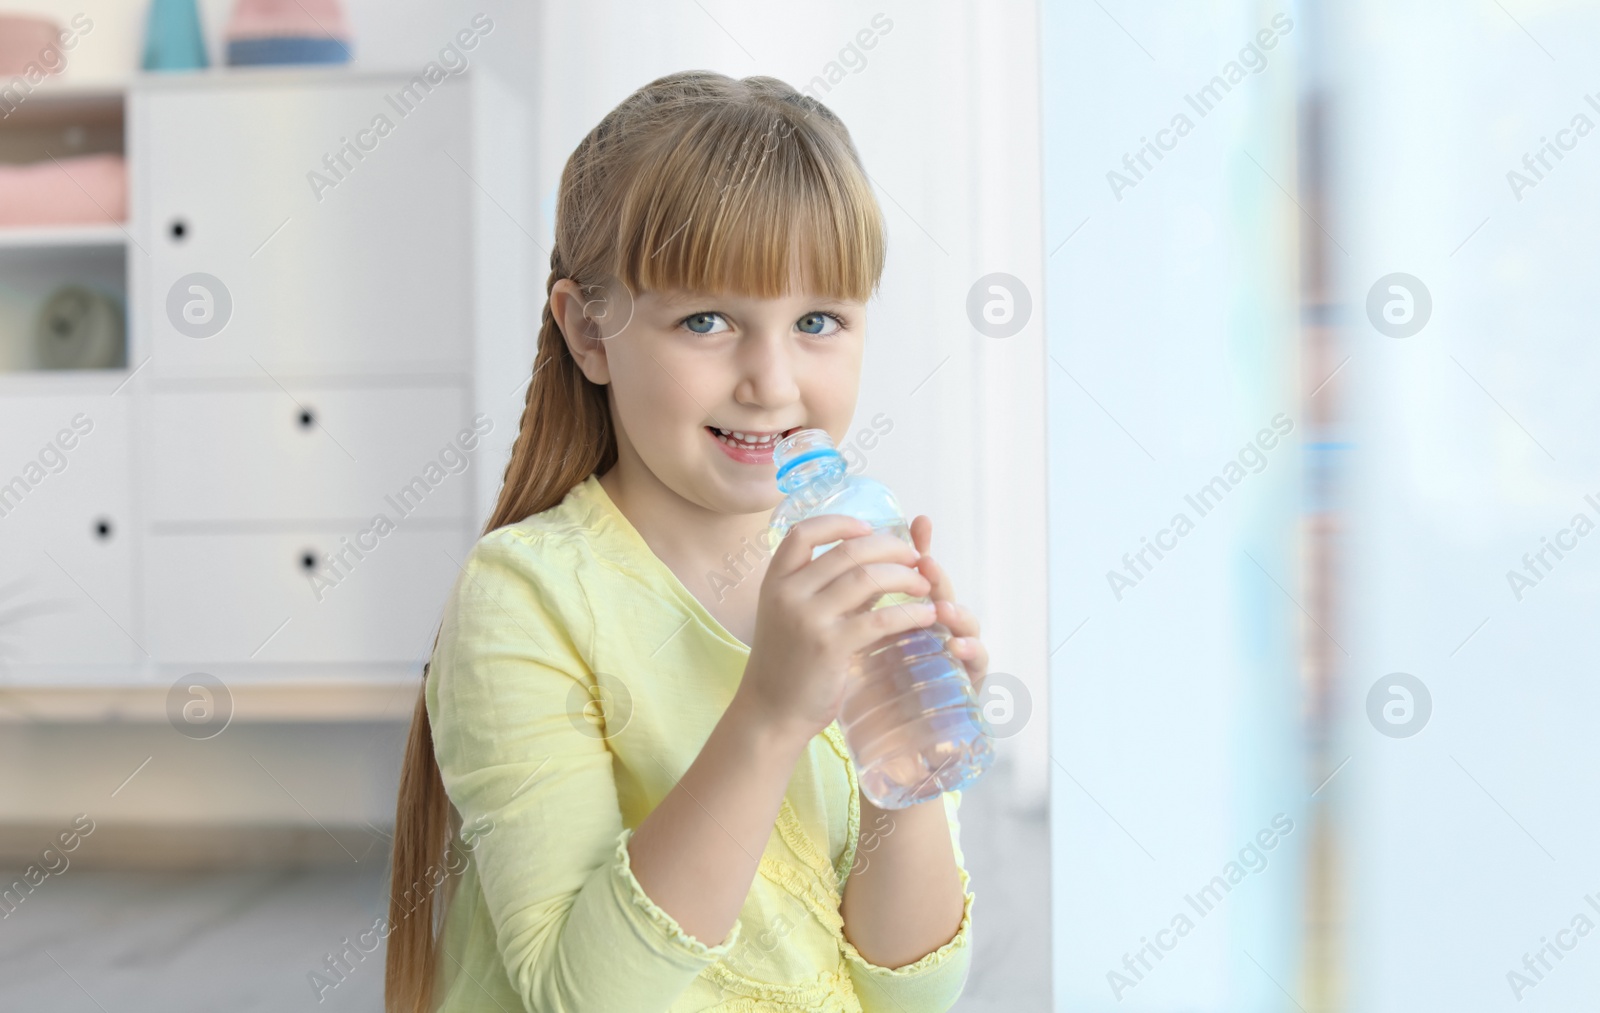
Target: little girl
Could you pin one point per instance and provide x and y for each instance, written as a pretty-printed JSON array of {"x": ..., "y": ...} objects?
[{"x": 626, "y": 788}]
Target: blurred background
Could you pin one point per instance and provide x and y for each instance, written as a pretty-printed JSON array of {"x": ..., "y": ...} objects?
[
  {"x": 269, "y": 270},
  {"x": 1235, "y": 348}
]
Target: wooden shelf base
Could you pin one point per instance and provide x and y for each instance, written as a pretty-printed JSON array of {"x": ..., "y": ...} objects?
[{"x": 252, "y": 703}]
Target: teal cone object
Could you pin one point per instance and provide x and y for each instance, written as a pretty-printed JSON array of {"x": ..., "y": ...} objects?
[{"x": 173, "y": 39}]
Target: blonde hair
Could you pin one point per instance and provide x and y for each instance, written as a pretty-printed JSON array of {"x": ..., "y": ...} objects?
[{"x": 696, "y": 181}]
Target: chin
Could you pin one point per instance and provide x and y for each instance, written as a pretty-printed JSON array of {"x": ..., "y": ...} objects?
[{"x": 749, "y": 497}]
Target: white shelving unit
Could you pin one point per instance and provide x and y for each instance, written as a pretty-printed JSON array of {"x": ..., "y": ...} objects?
[{"x": 218, "y": 513}]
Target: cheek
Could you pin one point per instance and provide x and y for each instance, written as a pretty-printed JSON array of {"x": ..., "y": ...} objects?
[
  {"x": 833, "y": 383},
  {"x": 659, "y": 396}
]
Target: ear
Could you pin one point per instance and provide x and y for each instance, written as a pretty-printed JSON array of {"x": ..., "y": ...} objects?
[{"x": 570, "y": 308}]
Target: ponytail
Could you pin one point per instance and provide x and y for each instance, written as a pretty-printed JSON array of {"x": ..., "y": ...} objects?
[{"x": 565, "y": 436}]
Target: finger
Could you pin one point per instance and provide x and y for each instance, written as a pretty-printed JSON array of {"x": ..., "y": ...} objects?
[
  {"x": 803, "y": 539},
  {"x": 862, "y": 585},
  {"x": 973, "y": 654},
  {"x": 870, "y": 627},
  {"x": 922, "y": 532},
  {"x": 957, "y": 618},
  {"x": 850, "y": 553},
  {"x": 944, "y": 588}
]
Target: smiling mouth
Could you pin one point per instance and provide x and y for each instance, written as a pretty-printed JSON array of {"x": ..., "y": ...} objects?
[{"x": 751, "y": 440}]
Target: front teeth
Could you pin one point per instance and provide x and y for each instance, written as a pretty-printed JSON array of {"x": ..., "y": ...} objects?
[{"x": 747, "y": 439}]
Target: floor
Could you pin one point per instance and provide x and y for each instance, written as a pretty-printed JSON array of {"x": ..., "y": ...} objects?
[{"x": 173, "y": 942}]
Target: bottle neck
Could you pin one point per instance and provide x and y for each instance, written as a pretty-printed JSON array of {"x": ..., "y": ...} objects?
[{"x": 819, "y": 465}]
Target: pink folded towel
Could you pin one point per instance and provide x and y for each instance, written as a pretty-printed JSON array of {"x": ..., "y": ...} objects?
[
  {"x": 299, "y": 19},
  {"x": 84, "y": 190}
]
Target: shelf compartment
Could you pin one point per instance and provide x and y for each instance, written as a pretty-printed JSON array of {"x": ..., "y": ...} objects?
[
  {"x": 35, "y": 237},
  {"x": 63, "y": 307}
]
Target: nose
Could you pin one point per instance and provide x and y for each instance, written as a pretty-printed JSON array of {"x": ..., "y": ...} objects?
[{"x": 767, "y": 370}]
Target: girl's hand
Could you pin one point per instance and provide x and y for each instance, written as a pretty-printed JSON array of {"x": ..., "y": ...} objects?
[
  {"x": 815, "y": 614},
  {"x": 957, "y": 618}
]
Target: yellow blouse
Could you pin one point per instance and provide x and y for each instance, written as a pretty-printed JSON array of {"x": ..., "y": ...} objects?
[{"x": 574, "y": 681}]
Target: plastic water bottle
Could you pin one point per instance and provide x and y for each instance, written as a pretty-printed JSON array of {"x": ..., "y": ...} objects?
[{"x": 910, "y": 715}]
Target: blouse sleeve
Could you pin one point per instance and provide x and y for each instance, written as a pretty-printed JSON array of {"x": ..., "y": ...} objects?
[
  {"x": 933, "y": 983},
  {"x": 506, "y": 697}
]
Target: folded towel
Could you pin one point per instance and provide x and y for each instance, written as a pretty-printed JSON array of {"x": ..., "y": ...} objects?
[
  {"x": 86, "y": 189},
  {"x": 298, "y": 19},
  {"x": 261, "y": 52}
]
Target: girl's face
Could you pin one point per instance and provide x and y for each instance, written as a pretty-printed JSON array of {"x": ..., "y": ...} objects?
[{"x": 685, "y": 365}]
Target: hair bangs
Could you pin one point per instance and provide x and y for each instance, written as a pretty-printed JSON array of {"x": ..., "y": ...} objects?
[{"x": 746, "y": 200}]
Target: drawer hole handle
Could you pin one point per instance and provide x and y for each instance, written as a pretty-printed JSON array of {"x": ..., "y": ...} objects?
[
  {"x": 180, "y": 229},
  {"x": 308, "y": 559},
  {"x": 102, "y": 528},
  {"x": 307, "y": 420}
]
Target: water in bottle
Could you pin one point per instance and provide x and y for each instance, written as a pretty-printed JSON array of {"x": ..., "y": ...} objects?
[{"x": 910, "y": 715}]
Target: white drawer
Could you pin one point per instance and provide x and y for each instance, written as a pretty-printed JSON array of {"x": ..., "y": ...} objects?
[
  {"x": 66, "y": 574},
  {"x": 253, "y": 454},
  {"x": 231, "y": 598}
]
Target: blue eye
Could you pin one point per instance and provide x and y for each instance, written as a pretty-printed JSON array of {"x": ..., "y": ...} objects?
[
  {"x": 695, "y": 321},
  {"x": 810, "y": 320}
]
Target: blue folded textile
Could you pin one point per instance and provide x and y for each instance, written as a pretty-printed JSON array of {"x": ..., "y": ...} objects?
[{"x": 262, "y": 51}]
